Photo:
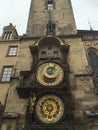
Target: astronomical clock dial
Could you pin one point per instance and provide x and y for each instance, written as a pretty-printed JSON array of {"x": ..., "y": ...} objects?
[
  {"x": 49, "y": 109},
  {"x": 49, "y": 74}
]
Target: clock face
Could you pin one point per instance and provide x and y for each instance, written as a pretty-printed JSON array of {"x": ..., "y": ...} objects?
[
  {"x": 49, "y": 74},
  {"x": 49, "y": 109}
]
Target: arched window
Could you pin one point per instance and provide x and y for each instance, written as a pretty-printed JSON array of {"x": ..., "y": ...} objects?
[{"x": 93, "y": 61}]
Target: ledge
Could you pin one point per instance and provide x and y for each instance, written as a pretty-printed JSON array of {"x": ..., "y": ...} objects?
[
  {"x": 8, "y": 115},
  {"x": 91, "y": 114}
]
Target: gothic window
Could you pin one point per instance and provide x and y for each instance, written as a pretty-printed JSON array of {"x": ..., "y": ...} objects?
[
  {"x": 7, "y": 71},
  {"x": 12, "y": 51},
  {"x": 7, "y": 35},
  {"x": 93, "y": 60}
]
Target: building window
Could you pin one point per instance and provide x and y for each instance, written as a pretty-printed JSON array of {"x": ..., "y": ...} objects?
[
  {"x": 6, "y": 74},
  {"x": 50, "y": 4},
  {"x": 55, "y": 54},
  {"x": 93, "y": 60},
  {"x": 43, "y": 54},
  {"x": 7, "y": 35},
  {"x": 12, "y": 51}
]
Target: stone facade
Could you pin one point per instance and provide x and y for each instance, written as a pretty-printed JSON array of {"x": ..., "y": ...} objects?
[
  {"x": 14, "y": 95},
  {"x": 61, "y": 16}
]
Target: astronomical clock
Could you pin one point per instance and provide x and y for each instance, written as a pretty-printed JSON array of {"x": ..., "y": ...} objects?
[
  {"x": 49, "y": 109},
  {"x": 46, "y": 86},
  {"x": 49, "y": 74}
]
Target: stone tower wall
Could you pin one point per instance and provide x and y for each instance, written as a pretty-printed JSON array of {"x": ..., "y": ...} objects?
[{"x": 61, "y": 16}]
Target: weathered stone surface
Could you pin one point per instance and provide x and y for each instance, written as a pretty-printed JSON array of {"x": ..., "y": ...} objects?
[{"x": 61, "y": 16}]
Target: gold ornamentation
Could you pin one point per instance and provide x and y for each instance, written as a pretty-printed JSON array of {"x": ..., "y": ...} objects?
[
  {"x": 49, "y": 109},
  {"x": 32, "y": 103},
  {"x": 49, "y": 74}
]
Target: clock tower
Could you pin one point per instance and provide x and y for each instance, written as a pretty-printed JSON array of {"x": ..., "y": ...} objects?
[
  {"x": 43, "y": 83},
  {"x": 57, "y": 12},
  {"x": 50, "y": 101}
]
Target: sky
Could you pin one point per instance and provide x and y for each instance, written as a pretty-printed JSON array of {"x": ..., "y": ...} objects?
[{"x": 17, "y": 11}]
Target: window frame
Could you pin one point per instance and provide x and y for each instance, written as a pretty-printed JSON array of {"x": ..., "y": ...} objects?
[
  {"x": 7, "y": 35},
  {"x": 92, "y": 60},
  {"x": 50, "y": 5},
  {"x": 43, "y": 54},
  {"x": 57, "y": 54},
  {"x": 14, "y": 53},
  {"x": 6, "y": 74}
]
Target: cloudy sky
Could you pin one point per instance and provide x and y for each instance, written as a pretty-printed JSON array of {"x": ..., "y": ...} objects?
[{"x": 16, "y": 12}]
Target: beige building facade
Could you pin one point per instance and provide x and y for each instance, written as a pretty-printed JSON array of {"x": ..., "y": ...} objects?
[{"x": 49, "y": 76}]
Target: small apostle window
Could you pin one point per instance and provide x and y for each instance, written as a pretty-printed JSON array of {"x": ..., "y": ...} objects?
[
  {"x": 43, "y": 54},
  {"x": 55, "y": 54}
]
